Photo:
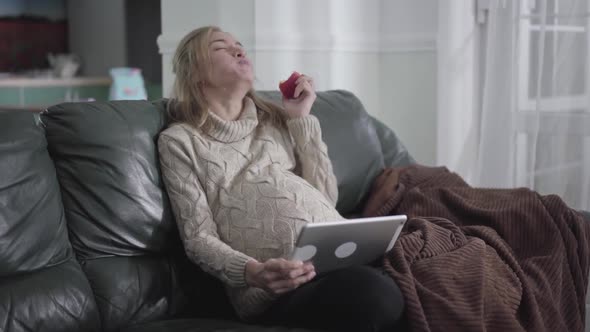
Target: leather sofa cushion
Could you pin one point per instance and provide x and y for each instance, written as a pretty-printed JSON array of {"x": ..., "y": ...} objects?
[
  {"x": 118, "y": 213},
  {"x": 106, "y": 161},
  {"x": 42, "y": 287},
  {"x": 33, "y": 232},
  {"x": 394, "y": 151},
  {"x": 139, "y": 289},
  {"x": 131, "y": 289},
  {"x": 56, "y": 298}
]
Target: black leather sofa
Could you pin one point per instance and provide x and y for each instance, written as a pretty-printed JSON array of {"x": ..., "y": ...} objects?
[{"x": 87, "y": 238}]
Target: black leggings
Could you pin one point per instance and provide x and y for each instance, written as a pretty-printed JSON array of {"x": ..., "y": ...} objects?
[{"x": 360, "y": 298}]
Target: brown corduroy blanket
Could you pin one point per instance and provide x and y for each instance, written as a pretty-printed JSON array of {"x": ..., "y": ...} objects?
[{"x": 483, "y": 259}]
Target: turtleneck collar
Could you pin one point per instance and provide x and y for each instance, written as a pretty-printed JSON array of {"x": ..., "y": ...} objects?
[{"x": 234, "y": 130}]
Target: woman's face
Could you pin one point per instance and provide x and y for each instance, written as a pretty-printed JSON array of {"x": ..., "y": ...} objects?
[{"x": 229, "y": 64}]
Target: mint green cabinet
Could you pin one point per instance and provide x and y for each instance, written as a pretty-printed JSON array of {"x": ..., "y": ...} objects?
[{"x": 38, "y": 94}]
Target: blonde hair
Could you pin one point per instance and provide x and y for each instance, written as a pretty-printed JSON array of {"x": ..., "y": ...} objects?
[{"x": 191, "y": 64}]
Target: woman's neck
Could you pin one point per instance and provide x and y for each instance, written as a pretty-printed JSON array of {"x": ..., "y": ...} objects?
[{"x": 225, "y": 104}]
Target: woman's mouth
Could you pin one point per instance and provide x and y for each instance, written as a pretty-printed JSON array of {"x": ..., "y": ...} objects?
[{"x": 244, "y": 62}]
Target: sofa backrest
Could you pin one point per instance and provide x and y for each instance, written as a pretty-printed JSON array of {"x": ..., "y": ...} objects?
[
  {"x": 107, "y": 165},
  {"x": 118, "y": 214},
  {"x": 42, "y": 286}
]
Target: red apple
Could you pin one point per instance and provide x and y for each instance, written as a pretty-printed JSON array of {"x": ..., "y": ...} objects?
[{"x": 288, "y": 87}]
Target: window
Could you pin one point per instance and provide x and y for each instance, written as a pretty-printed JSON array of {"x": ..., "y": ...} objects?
[
  {"x": 553, "y": 112},
  {"x": 544, "y": 78}
]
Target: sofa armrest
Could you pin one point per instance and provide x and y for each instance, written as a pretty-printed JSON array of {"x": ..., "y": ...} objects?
[{"x": 394, "y": 151}]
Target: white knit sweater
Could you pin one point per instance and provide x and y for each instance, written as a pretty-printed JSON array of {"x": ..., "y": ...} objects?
[{"x": 243, "y": 190}]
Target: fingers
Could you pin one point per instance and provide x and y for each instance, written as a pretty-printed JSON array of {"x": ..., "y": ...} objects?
[
  {"x": 303, "y": 83},
  {"x": 271, "y": 276},
  {"x": 281, "y": 265},
  {"x": 281, "y": 275},
  {"x": 289, "y": 269},
  {"x": 285, "y": 285},
  {"x": 301, "y": 87},
  {"x": 303, "y": 78},
  {"x": 294, "y": 273}
]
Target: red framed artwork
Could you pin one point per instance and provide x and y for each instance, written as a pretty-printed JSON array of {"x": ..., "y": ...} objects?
[{"x": 29, "y": 30}]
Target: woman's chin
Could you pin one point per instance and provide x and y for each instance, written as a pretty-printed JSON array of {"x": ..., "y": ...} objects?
[
  {"x": 246, "y": 72},
  {"x": 242, "y": 81},
  {"x": 248, "y": 81}
]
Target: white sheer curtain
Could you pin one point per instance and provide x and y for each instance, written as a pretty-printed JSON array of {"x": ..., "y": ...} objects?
[{"x": 535, "y": 98}]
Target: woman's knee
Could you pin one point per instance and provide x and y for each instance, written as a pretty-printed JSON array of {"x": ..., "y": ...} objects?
[
  {"x": 376, "y": 302},
  {"x": 363, "y": 280}
]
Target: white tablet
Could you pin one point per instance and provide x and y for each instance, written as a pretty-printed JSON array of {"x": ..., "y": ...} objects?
[{"x": 338, "y": 244}]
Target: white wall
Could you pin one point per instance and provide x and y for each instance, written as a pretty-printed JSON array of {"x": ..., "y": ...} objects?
[
  {"x": 381, "y": 50},
  {"x": 408, "y": 81},
  {"x": 458, "y": 86},
  {"x": 97, "y": 34}
]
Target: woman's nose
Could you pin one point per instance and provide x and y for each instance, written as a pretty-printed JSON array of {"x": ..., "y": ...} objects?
[{"x": 239, "y": 52}]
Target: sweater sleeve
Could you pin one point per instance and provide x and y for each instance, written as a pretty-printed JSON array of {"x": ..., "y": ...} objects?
[
  {"x": 312, "y": 153},
  {"x": 193, "y": 215}
]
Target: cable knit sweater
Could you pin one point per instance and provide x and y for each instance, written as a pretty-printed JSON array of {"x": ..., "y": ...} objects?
[{"x": 244, "y": 190}]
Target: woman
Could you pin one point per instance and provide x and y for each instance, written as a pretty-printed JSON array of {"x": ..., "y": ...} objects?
[{"x": 244, "y": 176}]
